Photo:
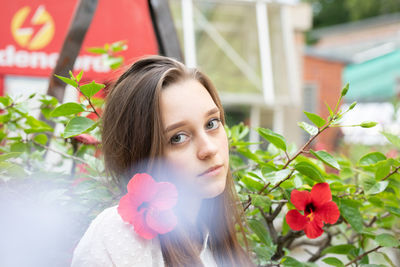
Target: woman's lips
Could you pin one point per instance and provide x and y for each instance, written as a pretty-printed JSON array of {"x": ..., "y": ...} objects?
[{"x": 212, "y": 171}]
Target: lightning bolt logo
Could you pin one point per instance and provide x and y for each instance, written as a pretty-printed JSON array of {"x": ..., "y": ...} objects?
[{"x": 35, "y": 33}]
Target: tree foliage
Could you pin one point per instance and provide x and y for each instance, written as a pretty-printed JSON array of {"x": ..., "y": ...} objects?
[{"x": 332, "y": 12}]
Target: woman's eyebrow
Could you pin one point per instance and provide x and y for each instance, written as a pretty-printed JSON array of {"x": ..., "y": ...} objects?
[
  {"x": 212, "y": 111},
  {"x": 175, "y": 125},
  {"x": 182, "y": 123}
]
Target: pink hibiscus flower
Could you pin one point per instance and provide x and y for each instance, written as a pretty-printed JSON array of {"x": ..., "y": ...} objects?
[
  {"x": 317, "y": 208},
  {"x": 87, "y": 139},
  {"x": 148, "y": 206}
]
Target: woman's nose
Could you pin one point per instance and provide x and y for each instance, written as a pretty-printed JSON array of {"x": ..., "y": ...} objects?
[{"x": 206, "y": 148}]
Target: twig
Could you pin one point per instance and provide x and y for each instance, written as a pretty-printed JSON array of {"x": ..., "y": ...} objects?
[
  {"x": 280, "y": 182},
  {"x": 372, "y": 221},
  {"x": 270, "y": 225},
  {"x": 90, "y": 102},
  {"x": 391, "y": 173},
  {"x": 302, "y": 149},
  {"x": 325, "y": 243},
  {"x": 265, "y": 187},
  {"x": 248, "y": 203},
  {"x": 285, "y": 241},
  {"x": 60, "y": 153},
  {"x": 362, "y": 255}
]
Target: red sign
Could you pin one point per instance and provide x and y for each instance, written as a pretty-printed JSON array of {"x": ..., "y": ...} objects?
[{"x": 33, "y": 31}]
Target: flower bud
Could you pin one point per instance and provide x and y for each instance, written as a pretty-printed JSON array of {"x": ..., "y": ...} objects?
[
  {"x": 353, "y": 105},
  {"x": 345, "y": 89},
  {"x": 368, "y": 124}
]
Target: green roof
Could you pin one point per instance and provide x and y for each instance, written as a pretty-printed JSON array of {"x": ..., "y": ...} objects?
[{"x": 373, "y": 80}]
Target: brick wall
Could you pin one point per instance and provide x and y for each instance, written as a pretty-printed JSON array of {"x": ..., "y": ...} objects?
[{"x": 327, "y": 77}]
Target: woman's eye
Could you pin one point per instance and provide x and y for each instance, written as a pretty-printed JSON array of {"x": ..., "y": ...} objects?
[
  {"x": 213, "y": 124},
  {"x": 178, "y": 138}
]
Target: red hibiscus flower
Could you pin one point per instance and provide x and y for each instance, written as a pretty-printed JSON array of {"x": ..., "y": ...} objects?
[
  {"x": 87, "y": 139},
  {"x": 148, "y": 206},
  {"x": 317, "y": 208}
]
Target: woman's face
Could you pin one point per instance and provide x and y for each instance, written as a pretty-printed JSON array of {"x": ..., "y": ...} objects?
[{"x": 196, "y": 140}]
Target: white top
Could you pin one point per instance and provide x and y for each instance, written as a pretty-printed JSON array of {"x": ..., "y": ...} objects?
[{"x": 109, "y": 241}]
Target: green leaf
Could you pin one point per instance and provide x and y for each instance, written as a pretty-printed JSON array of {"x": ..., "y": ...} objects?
[
  {"x": 119, "y": 46},
  {"x": 77, "y": 126},
  {"x": 314, "y": 118},
  {"x": 326, "y": 158},
  {"x": 113, "y": 62},
  {"x": 291, "y": 262},
  {"x": 67, "y": 80},
  {"x": 394, "y": 139},
  {"x": 333, "y": 261},
  {"x": 264, "y": 252},
  {"x": 377, "y": 188},
  {"x": 393, "y": 210},
  {"x": 9, "y": 155},
  {"x": 268, "y": 169},
  {"x": 260, "y": 230},
  {"x": 19, "y": 147},
  {"x": 310, "y": 171},
  {"x": 371, "y": 158},
  {"x": 277, "y": 176},
  {"x": 67, "y": 109},
  {"x": 79, "y": 76},
  {"x": 12, "y": 169},
  {"x": 41, "y": 139},
  {"x": 329, "y": 109},
  {"x": 247, "y": 153},
  {"x": 372, "y": 265},
  {"x": 91, "y": 89},
  {"x": 312, "y": 130},
  {"x": 71, "y": 75},
  {"x": 387, "y": 240},
  {"x": 382, "y": 169},
  {"x": 97, "y": 50},
  {"x": 274, "y": 138},
  {"x": 260, "y": 201},
  {"x": 387, "y": 258},
  {"x": 252, "y": 184},
  {"x": 338, "y": 249},
  {"x": 37, "y": 126},
  {"x": 5, "y": 100},
  {"x": 350, "y": 211},
  {"x": 5, "y": 117}
]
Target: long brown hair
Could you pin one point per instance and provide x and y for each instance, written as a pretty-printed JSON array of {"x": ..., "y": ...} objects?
[{"x": 132, "y": 133}]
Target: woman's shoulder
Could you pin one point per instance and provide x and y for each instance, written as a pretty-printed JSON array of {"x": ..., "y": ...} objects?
[{"x": 109, "y": 241}]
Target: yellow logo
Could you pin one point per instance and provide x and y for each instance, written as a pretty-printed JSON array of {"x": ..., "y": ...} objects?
[{"x": 25, "y": 36}]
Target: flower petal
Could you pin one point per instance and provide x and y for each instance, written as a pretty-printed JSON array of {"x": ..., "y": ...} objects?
[
  {"x": 127, "y": 208},
  {"x": 328, "y": 212},
  {"x": 165, "y": 198},
  {"x": 295, "y": 220},
  {"x": 313, "y": 229},
  {"x": 161, "y": 221},
  {"x": 140, "y": 226},
  {"x": 320, "y": 194},
  {"x": 142, "y": 186},
  {"x": 300, "y": 199}
]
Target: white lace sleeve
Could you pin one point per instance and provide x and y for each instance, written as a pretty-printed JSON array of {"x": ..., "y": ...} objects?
[{"x": 111, "y": 242}]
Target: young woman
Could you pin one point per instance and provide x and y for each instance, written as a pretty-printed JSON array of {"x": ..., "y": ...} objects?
[{"x": 161, "y": 111}]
